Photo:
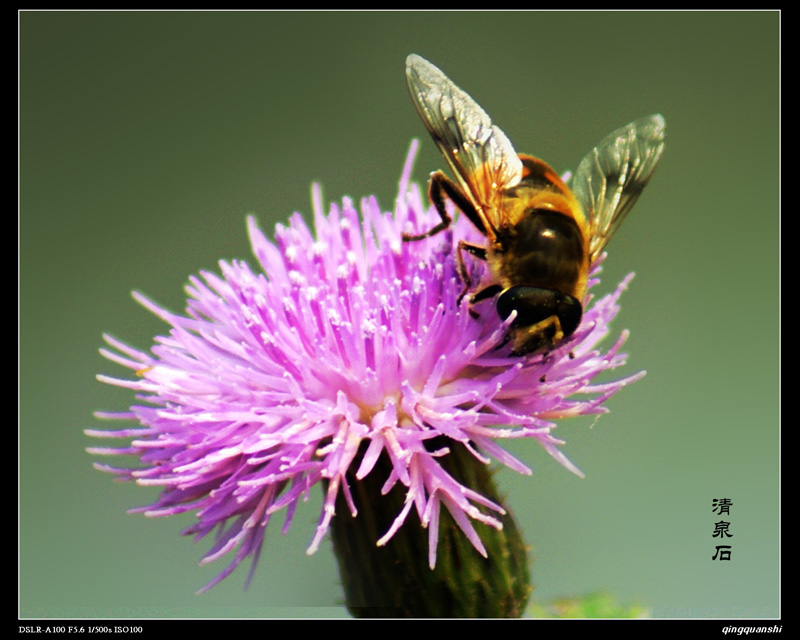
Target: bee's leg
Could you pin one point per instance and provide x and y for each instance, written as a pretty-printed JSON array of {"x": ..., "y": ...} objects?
[
  {"x": 441, "y": 184},
  {"x": 483, "y": 294},
  {"x": 486, "y": 292},
  {"x": 472, "y": 249},
  {"x": 439, "y": 187}
]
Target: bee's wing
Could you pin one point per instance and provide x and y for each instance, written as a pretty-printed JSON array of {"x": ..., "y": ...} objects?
[
  {"x": 479, "y": 153},
  {"x": 611, "y": 177}
]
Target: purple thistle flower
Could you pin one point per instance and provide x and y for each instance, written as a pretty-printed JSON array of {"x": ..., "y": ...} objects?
[{"x": 270, "y": 382}]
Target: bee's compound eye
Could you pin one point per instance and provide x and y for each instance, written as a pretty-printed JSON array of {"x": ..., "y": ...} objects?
[{"x": 534, "y": 304}]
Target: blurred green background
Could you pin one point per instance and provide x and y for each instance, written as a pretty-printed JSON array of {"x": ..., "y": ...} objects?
[{"x": 145, "y": 139}]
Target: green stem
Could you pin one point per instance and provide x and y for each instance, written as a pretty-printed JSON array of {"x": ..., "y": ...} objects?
[{"x": 396, "y": 581}]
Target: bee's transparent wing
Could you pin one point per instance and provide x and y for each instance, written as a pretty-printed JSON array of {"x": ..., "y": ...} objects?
[
  {"x": 479, "y": 153},
  {"x": 611, "y": 177}
]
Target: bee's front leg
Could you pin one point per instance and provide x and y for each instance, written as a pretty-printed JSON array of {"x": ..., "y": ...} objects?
[{"x": 474, "y": 250}]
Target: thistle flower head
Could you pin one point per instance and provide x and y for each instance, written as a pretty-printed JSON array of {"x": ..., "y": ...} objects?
[{"x": 346, "y": 340}]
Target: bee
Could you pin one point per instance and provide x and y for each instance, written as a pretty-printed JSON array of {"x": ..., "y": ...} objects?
[{"x": 541, "y": 235}]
